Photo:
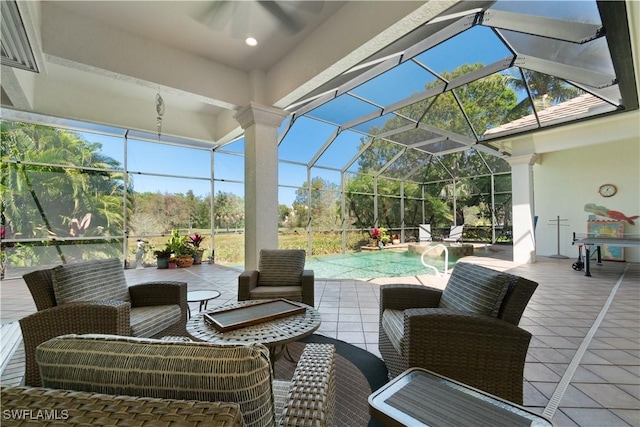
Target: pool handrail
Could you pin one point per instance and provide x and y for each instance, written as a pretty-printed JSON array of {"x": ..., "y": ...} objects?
[{"x": 446, "y": 259}]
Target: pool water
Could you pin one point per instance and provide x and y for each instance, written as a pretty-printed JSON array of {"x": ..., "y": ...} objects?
[{"x": 370, "y": 265}]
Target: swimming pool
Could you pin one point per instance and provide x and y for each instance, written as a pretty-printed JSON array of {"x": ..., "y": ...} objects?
[{"x": 370, "y": 265}]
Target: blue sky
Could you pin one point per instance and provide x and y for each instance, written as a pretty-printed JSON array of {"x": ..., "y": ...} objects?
[
  {"x": 308, "y": 135},
  {"x": 159, "y": 159}
]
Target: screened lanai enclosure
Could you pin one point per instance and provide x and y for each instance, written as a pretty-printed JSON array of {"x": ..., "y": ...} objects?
[{"x": 419, "y": 133}]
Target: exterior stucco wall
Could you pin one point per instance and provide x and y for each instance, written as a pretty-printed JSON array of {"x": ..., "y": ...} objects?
[{"x": 565, "y": 181}]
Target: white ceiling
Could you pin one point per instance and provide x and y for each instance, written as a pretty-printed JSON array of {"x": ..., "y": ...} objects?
[
  {"x": 104, "y": 61},
  {"x": 192, "y": 26}
]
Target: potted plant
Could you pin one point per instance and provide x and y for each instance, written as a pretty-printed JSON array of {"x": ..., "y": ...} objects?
[
  {"x": 196, "y": 239},
  {"x": 182, "y": 249},
  {"x": 380, "y": 237},
  {"x": 162, "y": 256},
  {"x": 173, "y": 262},
  {"x": 184, "y": 258}
]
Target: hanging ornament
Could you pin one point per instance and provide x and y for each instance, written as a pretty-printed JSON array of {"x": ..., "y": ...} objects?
[{"x": 160, "y": 110}]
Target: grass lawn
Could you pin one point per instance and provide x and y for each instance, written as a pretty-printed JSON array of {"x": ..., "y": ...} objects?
[{"x": 229, "y": 247}]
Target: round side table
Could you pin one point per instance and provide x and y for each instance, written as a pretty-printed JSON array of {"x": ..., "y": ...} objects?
[{"x": 202, "y": 297}]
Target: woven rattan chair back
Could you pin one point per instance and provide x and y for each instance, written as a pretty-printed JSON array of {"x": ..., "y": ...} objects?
[{"x": 41, "y": 287}]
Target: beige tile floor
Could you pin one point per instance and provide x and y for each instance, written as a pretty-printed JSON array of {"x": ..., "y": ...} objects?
[{"x": 583, "y": 365}]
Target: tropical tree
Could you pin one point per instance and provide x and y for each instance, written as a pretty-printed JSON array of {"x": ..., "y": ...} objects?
[
  {"x": 79, "y": 192},
  {"x": 322, "y": 199},
  {"x": 284, "y": 216},
  {"x": 197, "y": 210},
  {"x": 228, "y": 209},
  {"x": 546, "y": 91},
  {"x": 360, "y": 201},
  {"x": 300, "y": 213},
  {"x": 484, "y": 102},
  {"x": 168, "y": 212}
]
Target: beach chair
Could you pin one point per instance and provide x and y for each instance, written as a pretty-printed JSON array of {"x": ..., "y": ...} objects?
[
  {"x": 455, "y": 234},
  {"x": 424, "y": 232}
]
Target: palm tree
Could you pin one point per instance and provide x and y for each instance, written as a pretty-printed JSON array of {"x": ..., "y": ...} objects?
[
  {"x": 43, "y": 201},
  {"x": 545, "y": 91}
]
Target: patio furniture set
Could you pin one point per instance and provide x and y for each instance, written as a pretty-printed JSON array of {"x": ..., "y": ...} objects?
[{"x": 120, "y": 346}]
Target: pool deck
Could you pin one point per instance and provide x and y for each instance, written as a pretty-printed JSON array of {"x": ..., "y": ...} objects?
[{"x": 583, "y": 364}]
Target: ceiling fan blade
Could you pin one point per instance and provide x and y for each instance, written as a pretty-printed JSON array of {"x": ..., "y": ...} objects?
[
  {"x": 218, "y": 15},
  {"x": 281, "y": 15},
  {"x": 309, "y": 5}
]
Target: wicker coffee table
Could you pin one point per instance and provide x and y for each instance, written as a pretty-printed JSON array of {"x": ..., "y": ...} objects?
[{"x": 274, "y": 334}]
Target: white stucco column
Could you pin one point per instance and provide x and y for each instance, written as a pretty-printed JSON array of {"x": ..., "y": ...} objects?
[
  {"x": 524, "y": 242},
  {"x": 260, "y": 126}
]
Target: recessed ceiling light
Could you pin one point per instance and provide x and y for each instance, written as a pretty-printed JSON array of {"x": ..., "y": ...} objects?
[{"x": 251, "y": 41}]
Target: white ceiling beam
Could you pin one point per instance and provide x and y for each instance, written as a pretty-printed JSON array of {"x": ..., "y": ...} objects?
[{"x": 97, "y": 104}]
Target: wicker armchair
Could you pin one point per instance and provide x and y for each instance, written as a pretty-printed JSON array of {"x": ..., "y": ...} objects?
[
  {"x": 419, "y": 328},
  {"x": 93, "y": 297},
  {"x": 280, "y": 274},
  {"x": 198, "y": 371}
]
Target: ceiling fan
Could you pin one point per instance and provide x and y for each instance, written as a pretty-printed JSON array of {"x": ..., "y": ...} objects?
[{"x": 238, "y": 14}]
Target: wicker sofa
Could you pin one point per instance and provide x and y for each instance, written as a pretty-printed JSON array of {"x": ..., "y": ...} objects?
[
  {"x": 468, "y": 332},
  {"x": 195, "y": 371},
  {"x": 49, "y": 407},
  {"x": 93, "y": 297}
]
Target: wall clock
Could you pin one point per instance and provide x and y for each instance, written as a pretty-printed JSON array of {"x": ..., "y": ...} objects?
[{"x": 607, "y": 190}]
